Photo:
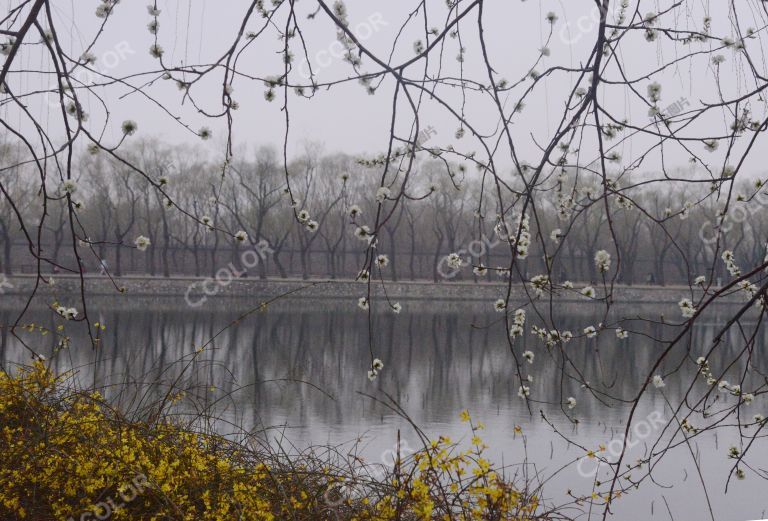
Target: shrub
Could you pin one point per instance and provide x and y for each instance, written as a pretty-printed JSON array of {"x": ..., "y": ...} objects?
[{"x": 68, "y": 454}]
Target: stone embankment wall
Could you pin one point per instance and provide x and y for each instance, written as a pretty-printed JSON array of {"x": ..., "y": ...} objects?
[{"x": 195, "y": 289}]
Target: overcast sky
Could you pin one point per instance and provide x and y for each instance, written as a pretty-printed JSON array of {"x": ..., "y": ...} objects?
[{"x": 345, "y": 117}]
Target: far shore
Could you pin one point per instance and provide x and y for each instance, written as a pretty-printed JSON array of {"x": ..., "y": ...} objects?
[{"x": 195, "y": 289}]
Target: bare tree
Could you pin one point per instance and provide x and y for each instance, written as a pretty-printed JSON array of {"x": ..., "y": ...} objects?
[{"x": 544, "y": 138}]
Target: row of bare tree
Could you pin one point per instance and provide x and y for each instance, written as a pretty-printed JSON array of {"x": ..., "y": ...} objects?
[{"x": 115, "y": 205}]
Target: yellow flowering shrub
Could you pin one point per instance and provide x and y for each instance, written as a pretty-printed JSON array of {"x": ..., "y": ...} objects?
[{"x": 66, "y": 454}]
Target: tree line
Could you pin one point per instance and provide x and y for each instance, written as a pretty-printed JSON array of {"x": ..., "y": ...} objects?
[{"x": 666, "y": 234}]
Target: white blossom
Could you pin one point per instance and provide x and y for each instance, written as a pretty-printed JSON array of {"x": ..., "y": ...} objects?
[
  {"x": 88, "y": 58},
  {"x": 67, "y": 313},
  {"x": 730, "y": 263},
  {"x": 103, "y": 9},
  {"x": 540, "y": 283},
  {"x": 687, "y": 308},
  {"x": 382, "y": 194},
  {"x": 156, "y": 51},
  {"x": 654, "y": 92},
  {"x": 519, "y": 323},
  {"x": 602, "y": 261},
  {"x": 142, "y": 243},
  {"x": 454, "y": 261},
  {"x": 129, "y": 127},
  {"x": 363, "y": 233},
  {"x": 69, "y": 186}
]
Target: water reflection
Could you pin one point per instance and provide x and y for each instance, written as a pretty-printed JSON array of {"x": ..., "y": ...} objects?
[{"x": 302, "y": 366}]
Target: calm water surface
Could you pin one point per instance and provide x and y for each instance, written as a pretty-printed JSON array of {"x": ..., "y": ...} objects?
[{"x": 296, "y": 374}]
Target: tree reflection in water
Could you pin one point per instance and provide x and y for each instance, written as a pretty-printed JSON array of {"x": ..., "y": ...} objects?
[{"x": 295, "y": 371}]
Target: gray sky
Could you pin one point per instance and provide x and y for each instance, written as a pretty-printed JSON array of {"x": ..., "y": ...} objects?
[{"x": 348, "y": 119}]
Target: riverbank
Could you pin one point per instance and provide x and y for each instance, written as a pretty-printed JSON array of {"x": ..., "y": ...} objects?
[
  {"x": 197, "y": 291},
  {"x": 239, "y": 295}
]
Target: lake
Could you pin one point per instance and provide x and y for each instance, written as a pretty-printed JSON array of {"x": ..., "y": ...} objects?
[{"x": 296, "y": 374}]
